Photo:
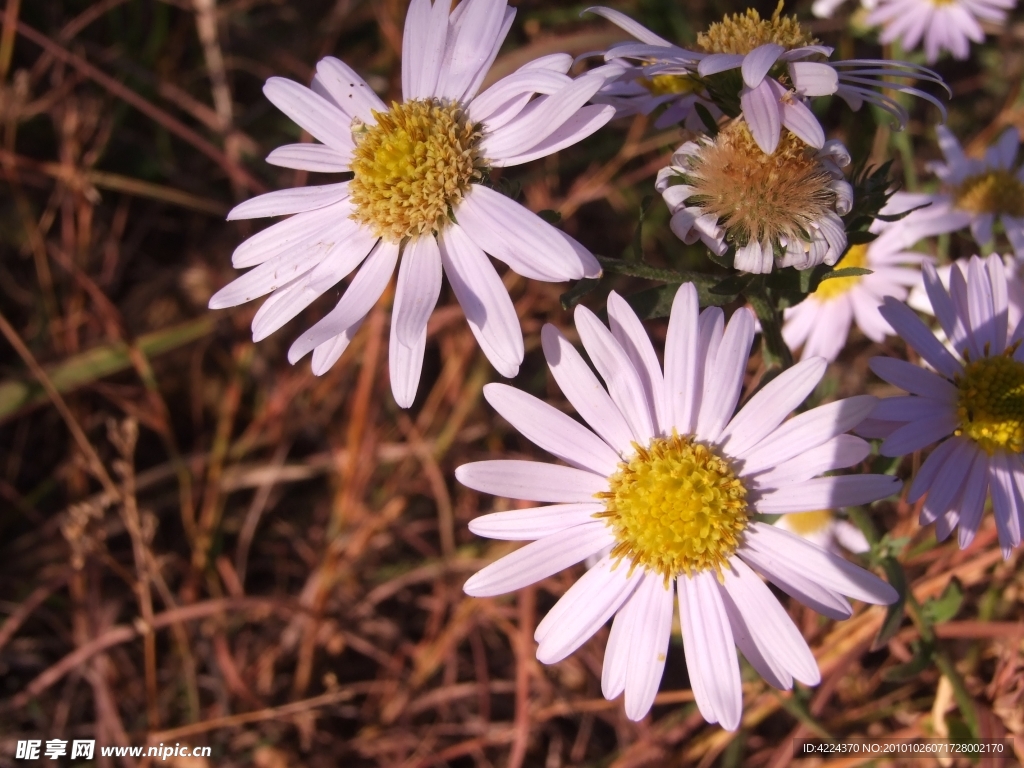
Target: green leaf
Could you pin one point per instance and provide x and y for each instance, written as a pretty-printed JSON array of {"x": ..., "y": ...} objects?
[
  {"x": 654, "y": 302},
  {"x": 945, "y": 606},
  {"x": 844, "y": 272},
  {"x": 550, "y": 216},
  {"x": 894, "y": 613},
  {"x": 731, "y": 286},
  {"x": 860, "y": 238},
  {"x": 578, "y": 290},
  {"x": 706, "y": 117}
]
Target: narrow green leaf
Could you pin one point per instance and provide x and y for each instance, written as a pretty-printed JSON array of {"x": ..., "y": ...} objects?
[
  {"x": 894, "y": 613},
  {"x": 578, "y": 290},
  {"x": 945, "y": 606},
  {"x": 550, "y": 216}
]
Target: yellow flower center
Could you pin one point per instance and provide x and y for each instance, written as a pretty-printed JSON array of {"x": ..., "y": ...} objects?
[
  {"x": 807, "y": 523},
  {"x": 663, "y": 85},
  {"x": 827, "y": 290},
  {"x": 990, "y": 404},
  {"x": 743, "y": 32},
  {"x": 997, "y": 192},
  {"x": 675, "y": 507},
  {"x": 757, "y": 196},
  {"x": 412, "y": 167}
]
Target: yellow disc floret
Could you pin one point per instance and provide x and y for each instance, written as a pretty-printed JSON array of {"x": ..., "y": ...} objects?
[
  {"x": 991, "y": 403},
  {"x": 663, "y": 85},
  {"x": 827, "y": 290},
  {"x": 756, "y": 196},
  {"x": 997, "y": 192},
  {"x": 412, "y": 167},
  {"x": 743, "y": 32},
  {"x": 807, "y": 523},
  {"x": 675, "y": 507}
]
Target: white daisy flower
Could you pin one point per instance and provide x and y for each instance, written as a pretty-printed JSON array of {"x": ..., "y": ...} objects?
[
  {"x": 821, "y": 322},
  {"x": 823, "y": 528},
  {"x": 780, "y": 65},
  {"x": 972, "y": 401},
  {"x": 975, "y": 193},
  {"x": 417, "y": 192},
  {"x": 726, "y": 191},
  {"x": 671, "y": 480},
  {"x": 944, "y": 25},
  {"x": 824, "y": 9}
]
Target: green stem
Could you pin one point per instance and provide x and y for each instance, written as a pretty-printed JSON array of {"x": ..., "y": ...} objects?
[
  {"x": 964, "y": 700},
  {"x": 774, "y": 348}
]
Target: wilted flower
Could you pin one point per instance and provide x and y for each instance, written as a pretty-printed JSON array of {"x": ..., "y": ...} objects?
[{"x": 782, "y": 208}]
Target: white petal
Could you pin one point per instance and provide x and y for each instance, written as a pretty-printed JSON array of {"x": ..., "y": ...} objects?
[
  {"x": 724, "y": 379},
  {"x": 514, "y": 235},
  {"x": 811, "y": 78},
  {"x": 807, "y": 431},
  {"x": 309, "y": 157},
  {"x": 532, "y": 481},
  {"x": 619, "y": 375},
  {"x": 795, "y": 580},
  {"x": 1006, "y": 501},
  {"x": 771, "y": 629},
  {"x": 831, "y": 571},
  {"x": 419, "y": 286},
  {"x": 919, "y": 434},
  {"x": 533, "y": 126},
  {"x": 719, "y": 62},
  {"x": 850, "y": 537},
  {"x": 802, "y": 123},
  {"x": 838, "y": 453},
  {"x": 288, "y": 201},
  {"x": 582, "y": 388},
  {"x": 753, "y": 258},
  {"x": 629, "y": 332},
  {"x": 586, "y": 121},
  {"x": 972, "y": 500},
  {"x": 349, "y": 90},
  {"x": 360, "y": 296},
  {"x": 683, "y": 370},
  {"x": 324, "y": 121},
  {"x": 534, "y": 523},
  {"x": 521, "y": 82},
  {"x": 470, "y": 41},
  {"x": 979, "y": 304},
  {"x": 269, "y": 276},
  {"x": 757, "y": 63},
  {"x": 761, "y": 111},
  {"x": 426, "y": 31},
  {"x": 710, "y": 652},
  {"x": 538, "y": 560},
  {"x": 584, "y": 609},
  {"x": 917, "y": 335},
  {"x": 648, "y": 648},
  {"x": 946, "y": 487},
  {"x": 302, "y": 231},
  {"x": 827, "y": 493},
  {"x": 552, "y": 430},
  {"x": 913, "y": 379},
  {"x": 929, "y": 470},
  {"x": 328, "y": 353},
  {"x": 771, "y": 405},
  {"x": 615, "y": 669},
  {"x": 624, "y": 22},
  {"x": 405, "y": 363},
  {"x": 337, "y": 264},
  {"x": 489, "y": 310}
]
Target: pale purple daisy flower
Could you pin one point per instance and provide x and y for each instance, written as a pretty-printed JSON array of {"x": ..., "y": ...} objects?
[
  {"x": 824, "y": 9},
  {"x": 972, "y": 401},
  {"x": 823, "y": 528},
  {"x": 724, "y": 190},
  {"x": 669, "y": 478},
  {"x": 780, "y": 67},
  {"x": 631, "y": 91},
  {"x": 944, "y": 25},
  {"x": 975, "y": 193},
  {"x": 1014, "y": 270},
  {"x": 417, "y": 192},
  {"x": 821, "y": 322}
]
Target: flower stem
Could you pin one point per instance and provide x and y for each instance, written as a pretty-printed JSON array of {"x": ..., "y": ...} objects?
[{"x": 774, "y": 348}]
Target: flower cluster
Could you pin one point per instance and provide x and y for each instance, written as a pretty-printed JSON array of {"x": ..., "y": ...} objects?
[{"x": 674, "y": 489}]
